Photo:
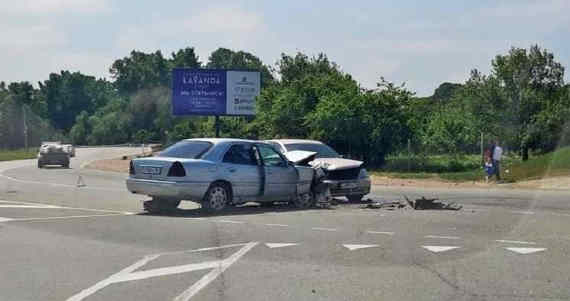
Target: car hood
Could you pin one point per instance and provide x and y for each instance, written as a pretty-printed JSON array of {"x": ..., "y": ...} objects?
[
  {"x": 300, "y": 157},
  {"x": 335, "y": 163}
]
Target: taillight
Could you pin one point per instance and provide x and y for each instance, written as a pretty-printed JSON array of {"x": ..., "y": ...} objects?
[
  {"x": 177, "y": 170},
  {"x": 131, "y": 168}
]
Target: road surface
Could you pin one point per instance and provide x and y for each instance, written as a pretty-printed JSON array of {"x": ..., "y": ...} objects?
[{"x": 64, "y": 241}]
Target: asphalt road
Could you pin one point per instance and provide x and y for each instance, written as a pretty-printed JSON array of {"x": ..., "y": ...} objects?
[{"x": 59, "y": 241}]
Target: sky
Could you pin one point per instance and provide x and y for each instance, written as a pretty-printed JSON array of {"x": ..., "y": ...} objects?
[{"x": 419, "y": 43}]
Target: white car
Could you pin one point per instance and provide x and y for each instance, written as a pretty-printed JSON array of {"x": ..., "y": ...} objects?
[
  {"x": 219, "y": 173},
  {"x": 345, "y": 177}
]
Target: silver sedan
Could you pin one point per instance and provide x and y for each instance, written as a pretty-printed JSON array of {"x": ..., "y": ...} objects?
[{"x": 218, "y": 173}]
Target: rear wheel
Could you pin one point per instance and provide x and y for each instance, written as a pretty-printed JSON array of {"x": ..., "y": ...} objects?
[
  {"x": 217, "y": 197},
  {"x": 157, "y": 205},
  {"x": 355, "y": 198},
  {"x": 40, "y": 165}
]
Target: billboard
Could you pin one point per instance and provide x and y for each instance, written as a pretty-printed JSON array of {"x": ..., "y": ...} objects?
[{"x": 214, "y": 92}]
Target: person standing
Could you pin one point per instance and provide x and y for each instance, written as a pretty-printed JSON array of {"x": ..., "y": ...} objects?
[{"x": 497, "y": 156}]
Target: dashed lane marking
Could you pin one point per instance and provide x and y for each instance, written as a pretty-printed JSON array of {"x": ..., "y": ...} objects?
[
  {"x": 353, "y": 247},
  {"x": 442, "y": 237},
  {"x": 516, "y": 242},
  {"x": 323, "y": 229},
  {"x": 380, "y": 232},
  {"x": 5, "y": 219},
  {"x": 276, "y": 225},
  {"x": 525, "y": 251},
  {"x": 228, "y": 221},
  {"x": 438, "y": 249},
  {"x": 523, "y": 212},
  {"x": 279, "y": 245}
]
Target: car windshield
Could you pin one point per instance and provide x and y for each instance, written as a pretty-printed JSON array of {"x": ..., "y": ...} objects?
[
  {"x": 322, "y": 150},
  {"x": 186, "y": 150}
]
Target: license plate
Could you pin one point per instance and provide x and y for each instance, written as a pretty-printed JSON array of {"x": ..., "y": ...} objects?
[
  {"x": 151, "y": 170},
  {"x": 348, "y": 185}
]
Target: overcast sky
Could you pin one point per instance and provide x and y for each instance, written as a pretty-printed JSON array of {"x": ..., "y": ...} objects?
[{"x": 422, "y": 43}]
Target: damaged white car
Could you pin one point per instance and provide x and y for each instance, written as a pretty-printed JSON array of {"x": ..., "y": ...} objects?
[
  {"x": 219, "y": 173},
  {"x": 344, "y": 177}
]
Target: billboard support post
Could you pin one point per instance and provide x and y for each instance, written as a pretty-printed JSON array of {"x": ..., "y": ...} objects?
[{"x": 217, "y": 124}]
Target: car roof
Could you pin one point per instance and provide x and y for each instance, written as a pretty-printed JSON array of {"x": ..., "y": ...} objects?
[
  {"x": 295, "y": 141},
  {"x": 221, "y": 140}
]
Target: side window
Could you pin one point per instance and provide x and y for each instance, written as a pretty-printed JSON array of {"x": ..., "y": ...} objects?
[
  {"x": 270, "y": 157},
  {"x": 277, "y": 146},
  {"x": 240, "y": 154}
]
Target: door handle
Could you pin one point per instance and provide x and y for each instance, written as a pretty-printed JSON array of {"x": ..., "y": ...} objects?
[{"x": 231, "y": 169}]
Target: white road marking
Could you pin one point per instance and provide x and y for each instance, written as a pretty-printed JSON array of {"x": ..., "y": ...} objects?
[
  {"x": 277, "y": 225},
  {"x": 280, "y": 245},
  {"x": 323, "y": 229},
  {"x": 211, "y": 276},
  {"x": 516, "y": 242},
  {"x": 32, "y": 219},
  {"x": 103, "y": 283},
  {"x": 356, "y": 247},
  {"x": 49, "y": 206},
  {"x": 523, "y": 212},
  {"x": 30, "y": 206},
  {"x": 5, "y": 219},
  {"x": 60, "y": 185},
  {"x": 227, "y": 221},
  {"x": 525, "y": 251},
  {"x": 437, "y": 249},
  {"x": 442, "y": 237},
  {"x": 128, "y": 274},
  {"x": 380, "y": 232}
]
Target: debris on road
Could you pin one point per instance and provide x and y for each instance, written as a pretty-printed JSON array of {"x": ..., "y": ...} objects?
[{"x": 417, "y": 204}]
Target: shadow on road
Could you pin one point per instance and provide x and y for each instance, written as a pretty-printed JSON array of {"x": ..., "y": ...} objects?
[{"x": 247, "y": 209}]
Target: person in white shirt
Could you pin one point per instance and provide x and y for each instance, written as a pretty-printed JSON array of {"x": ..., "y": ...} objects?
[{"x": 497, "y": 155}]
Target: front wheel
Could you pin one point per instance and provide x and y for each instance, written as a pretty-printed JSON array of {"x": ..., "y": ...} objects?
[
  {"x": 40, "y": 165},
  {"x": 304, "y": 201},
  {"x": 355, "y": 198},
  {"x": 217, "y": 198}
]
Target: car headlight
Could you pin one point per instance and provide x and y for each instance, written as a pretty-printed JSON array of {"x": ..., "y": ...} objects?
[{"x": 363, "y": 174}]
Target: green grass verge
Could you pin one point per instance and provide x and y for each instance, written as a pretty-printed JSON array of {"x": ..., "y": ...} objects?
[
  {"x": 468, "y": 168},
  {"x": 20, "y": 154}
]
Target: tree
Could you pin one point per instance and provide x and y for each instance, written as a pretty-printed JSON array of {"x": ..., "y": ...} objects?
[
  {"x": 528, "y": 77},
  {"x": 185, "y": 58},
  {"x": 67, "y": 94},
  {"x": 223, "y": 58},
  {"x": 143, "y": 71}
]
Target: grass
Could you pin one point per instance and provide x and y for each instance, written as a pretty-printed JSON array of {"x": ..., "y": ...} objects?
[
  {"x": 468, "y": 168},
  {"x": 18, "y": 154}
]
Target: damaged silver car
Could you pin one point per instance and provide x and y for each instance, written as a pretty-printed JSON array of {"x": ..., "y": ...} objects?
[
  {"x": 344, "y": 177},
  {"x": 218, "y": 173}
]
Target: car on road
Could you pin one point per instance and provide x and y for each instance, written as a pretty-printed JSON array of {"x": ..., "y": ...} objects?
[
  {"x": 219, "y": 173},
  {"x": 53, "y": 154},
  {"x": 345, "y": 177}
]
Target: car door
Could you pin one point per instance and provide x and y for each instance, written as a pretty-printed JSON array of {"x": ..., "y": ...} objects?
[
  {"x": 240, "y": 167},
  {"x": 280, "y": 177}
]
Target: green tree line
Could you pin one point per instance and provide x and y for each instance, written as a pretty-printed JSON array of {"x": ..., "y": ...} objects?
[{"x": 523, "y": 101}]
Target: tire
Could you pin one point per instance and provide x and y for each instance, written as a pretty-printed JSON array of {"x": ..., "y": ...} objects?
[
  {"x": 66, "y": 165},
  {"x": 304, "y": 201},
  {"x": 355, "y": 198},
  {"x": 40, "y": 165},
  {"x": 217, "y": 198},
  {"x": 158, "y": 205}
]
